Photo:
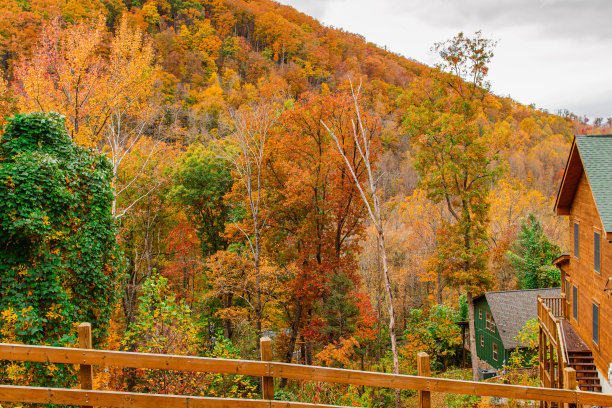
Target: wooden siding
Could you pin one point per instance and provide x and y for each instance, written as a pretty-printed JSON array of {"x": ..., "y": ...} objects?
[
  {"x": 486, "y": 353},
  {"x": 582, "y": 274}
]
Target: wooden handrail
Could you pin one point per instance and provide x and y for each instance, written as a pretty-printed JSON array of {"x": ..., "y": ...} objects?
[
  {"x": 563, "y": 358},
  {"x": 47, "y": 354},
  {"x": 549, "y": 311},
  {"x": 37, "y": 395},
  {"x": 293, "y": 371}
]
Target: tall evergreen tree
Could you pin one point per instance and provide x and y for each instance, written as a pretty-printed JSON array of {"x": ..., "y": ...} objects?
[{"x": 532, "y": 254}]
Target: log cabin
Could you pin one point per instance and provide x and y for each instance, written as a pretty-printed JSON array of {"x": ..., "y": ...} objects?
[{"x": 575, "y": 329}]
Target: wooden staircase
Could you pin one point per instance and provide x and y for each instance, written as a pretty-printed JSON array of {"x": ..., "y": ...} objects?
[{"x": 586, "y": 373}]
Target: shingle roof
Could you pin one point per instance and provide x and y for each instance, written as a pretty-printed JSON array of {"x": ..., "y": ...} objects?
[
  {"x": 596, "y": 154},
  {"x": 513, "y": 308}
]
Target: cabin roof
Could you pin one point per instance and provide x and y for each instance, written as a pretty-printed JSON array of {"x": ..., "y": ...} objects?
[
  {"x": 591, "y": 154},
  {"x": 511, "y": 309}
]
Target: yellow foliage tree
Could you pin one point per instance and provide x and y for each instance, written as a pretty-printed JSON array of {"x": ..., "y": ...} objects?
[{"x": 75, "y": 78}]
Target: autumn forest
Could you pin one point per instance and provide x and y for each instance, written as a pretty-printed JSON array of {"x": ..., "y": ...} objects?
[{"x": 189, "y": 176}]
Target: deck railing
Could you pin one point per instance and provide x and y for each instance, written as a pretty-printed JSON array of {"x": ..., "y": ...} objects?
[
  {"x": 555, "y": 304},
  {"x": 268, "y": 370},
  {"x": 553, "y": 360}
]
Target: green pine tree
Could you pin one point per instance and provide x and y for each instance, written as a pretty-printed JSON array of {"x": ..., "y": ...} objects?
[{"x": 532, "y": 254}]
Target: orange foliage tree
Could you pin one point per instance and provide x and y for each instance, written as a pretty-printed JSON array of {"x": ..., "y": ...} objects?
[{"x": 317, "y": 211}]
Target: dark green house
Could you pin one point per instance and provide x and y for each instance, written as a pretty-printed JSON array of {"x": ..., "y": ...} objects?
[{"x": 499, "y": 316}]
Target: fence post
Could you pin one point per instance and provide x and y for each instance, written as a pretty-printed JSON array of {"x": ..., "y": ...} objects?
[
  {"x": 86, "y": 371},
  {"x": 267, "y": 383},
  {"x": 424, "y": 371},
  {"x": 570, "y": 383}
]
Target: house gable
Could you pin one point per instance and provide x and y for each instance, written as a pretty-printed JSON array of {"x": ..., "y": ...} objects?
[
  {"x": 488, "y": 340},
  {"x": 569, "y": 184},
  {"x": 590, "y": 156}
]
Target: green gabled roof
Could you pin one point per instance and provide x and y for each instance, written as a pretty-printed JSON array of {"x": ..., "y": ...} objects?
[
  {"x": 596, "y": 154},
  {"x": 591, "y": 154}
]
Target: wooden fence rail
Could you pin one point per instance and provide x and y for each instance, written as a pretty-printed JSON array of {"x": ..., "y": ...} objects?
[
  {"x": 37, "y": 395},
  {"x": 266, "y": 369}
]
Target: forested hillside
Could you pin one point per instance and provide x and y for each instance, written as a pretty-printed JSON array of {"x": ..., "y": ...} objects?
[{"x": 234, "y": 212}]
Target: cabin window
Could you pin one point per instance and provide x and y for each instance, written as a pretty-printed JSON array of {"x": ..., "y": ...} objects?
[
  {"x": 567, "y": 291},
  {"x": 596, "y": 252},
  {"x": 495, "y": 351},
  {"x": 490, "y": 323},
  {"x": 575, "y": 302},
  {"x": 595, "y": 324},
  {"x": 576, "y": 240},
  {"x": 481, "y": 341},
  {"x": 479, "y": 313}
]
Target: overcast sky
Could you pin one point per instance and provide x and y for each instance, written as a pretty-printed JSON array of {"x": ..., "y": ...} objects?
[{"x": 554, "y": 53}]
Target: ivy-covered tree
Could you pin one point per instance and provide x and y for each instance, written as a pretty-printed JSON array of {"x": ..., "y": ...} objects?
[
  {"x": 532, "y": 255},
  {"x": 60, "y": 260}
]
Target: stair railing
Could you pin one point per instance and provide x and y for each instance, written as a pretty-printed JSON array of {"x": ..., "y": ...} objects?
[{"x": 549, "y": 310}]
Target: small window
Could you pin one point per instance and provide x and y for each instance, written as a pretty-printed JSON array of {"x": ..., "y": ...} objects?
[
  {"x": 490, "y": 323},
  {"x": 481, "y": 341},
  {"x": 567, "y": 291},
  {"x": 479, "y": 313},
  {"x": 495, "y": 357},
  {"x": 597, "y": 246},
  {"x": 575, "y": 302},
  {"x": 576, "y": 240},
  {"x": 595, "y": 324}
]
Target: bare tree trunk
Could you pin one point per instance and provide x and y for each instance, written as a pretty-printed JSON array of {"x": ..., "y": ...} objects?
[
  {"x": 295, "y": 326},
  {"x": 249, "y": 133},
  {"x": 391, "y": 307},
  {"x": 369, "y": 193},
  {"x": 228, "y": 331},
  {"x": 123, "y": 134},
  {"x": 473, "y": 352},
  {"x": 258, "y": 309},
  {"x": 439, "y": 288}
]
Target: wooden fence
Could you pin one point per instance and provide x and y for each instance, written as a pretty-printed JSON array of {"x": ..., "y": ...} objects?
[{"x": 86, "y": 357}]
